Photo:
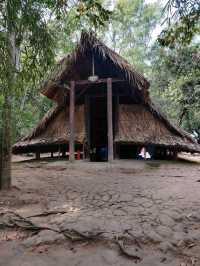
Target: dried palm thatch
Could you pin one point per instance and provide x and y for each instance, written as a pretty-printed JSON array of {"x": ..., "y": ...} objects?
[
  {"x": 171, "y": 126},
  {"x": 138, "y": 125},
  {"x": 90, "y": 44},
  {"x": 53, "y": 129}
]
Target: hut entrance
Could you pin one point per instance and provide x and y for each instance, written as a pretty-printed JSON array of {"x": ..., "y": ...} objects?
[{"x": 98, "y": 129}]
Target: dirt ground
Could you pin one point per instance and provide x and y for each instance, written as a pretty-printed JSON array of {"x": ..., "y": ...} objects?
[{"x": 83, "y": 213}]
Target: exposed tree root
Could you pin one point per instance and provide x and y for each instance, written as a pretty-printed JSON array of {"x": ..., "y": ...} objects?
[
  {"x": 75, "y": 235},
  {"x": 136, "y": 241},
  {"x": 125, "y": 252},
  {"x": 47, "y": 213},
  {"x": 14, "y": 220},
  {"x": 18, "y": 221}
]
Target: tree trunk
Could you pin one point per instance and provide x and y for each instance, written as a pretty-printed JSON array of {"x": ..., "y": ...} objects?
[
  {"x": 6, "y": 146},
  {"x": 5, "y": 178}
]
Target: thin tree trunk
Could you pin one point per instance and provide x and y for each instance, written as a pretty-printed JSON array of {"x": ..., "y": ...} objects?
[
  {"x": 6, "y": 149},
  {"x": 5, "y": 178},
  {"x": 0, "y": 152}
]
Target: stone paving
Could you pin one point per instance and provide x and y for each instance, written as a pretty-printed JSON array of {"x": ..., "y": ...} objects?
[{"x": 154, "y": 203}]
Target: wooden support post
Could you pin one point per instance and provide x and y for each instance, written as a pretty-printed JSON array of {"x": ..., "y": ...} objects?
[
  {"x": 71, "y": 121},
  {"x": 117, "y": 114},
  {"x": 87, "y": 123},
  {"x": 37, "y": 155},
  {"x": 110, "y": 119},
  {"x": 116, "y": 126}
]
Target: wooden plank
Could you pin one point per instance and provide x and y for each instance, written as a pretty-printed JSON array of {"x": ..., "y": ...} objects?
[
  {"x": 71, "y": 121},
  {"x": 110, "y": 120}
]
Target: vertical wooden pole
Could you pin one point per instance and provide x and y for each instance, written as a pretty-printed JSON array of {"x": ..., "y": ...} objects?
[
  {"x": 117, "y": 114},
  {"x": 71, "y": 121},
  {"x": 37, "y": 155},
  {"x": 116, "y": 126},
  {"x": 110, "y": 119},
  {"x": 87, "y": 120}
]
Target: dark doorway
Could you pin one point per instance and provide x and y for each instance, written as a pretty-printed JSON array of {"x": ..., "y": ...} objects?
[
  {"x": 128, "y": 151},
  {"x": 98, "y": 129}
]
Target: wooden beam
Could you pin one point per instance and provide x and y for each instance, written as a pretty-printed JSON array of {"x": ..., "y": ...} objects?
[
  {"x": 104, "y": 80},
  {"x": 71, "y": 121},
  {"x": 103, "y": 95},
  {"x": 110, "y": 120}
]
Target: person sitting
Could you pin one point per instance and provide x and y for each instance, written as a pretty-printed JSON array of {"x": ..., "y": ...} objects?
[{"x": 144, "y": 154}]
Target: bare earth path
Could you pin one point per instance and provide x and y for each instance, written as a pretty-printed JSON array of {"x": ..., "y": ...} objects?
[{"x": 133, "y": 209}]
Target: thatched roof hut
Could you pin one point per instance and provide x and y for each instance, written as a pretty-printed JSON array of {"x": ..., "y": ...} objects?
[{"x": 136, "y": 120}]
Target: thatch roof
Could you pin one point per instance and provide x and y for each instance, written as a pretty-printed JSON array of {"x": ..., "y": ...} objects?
[
  {"x": 53, "y": 129},
  {"x": 138, "y": 125},
  {"x": 66, "y": 68}
]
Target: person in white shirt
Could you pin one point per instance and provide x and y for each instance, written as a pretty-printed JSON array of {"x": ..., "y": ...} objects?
[{"x": 144, "y": 154}]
